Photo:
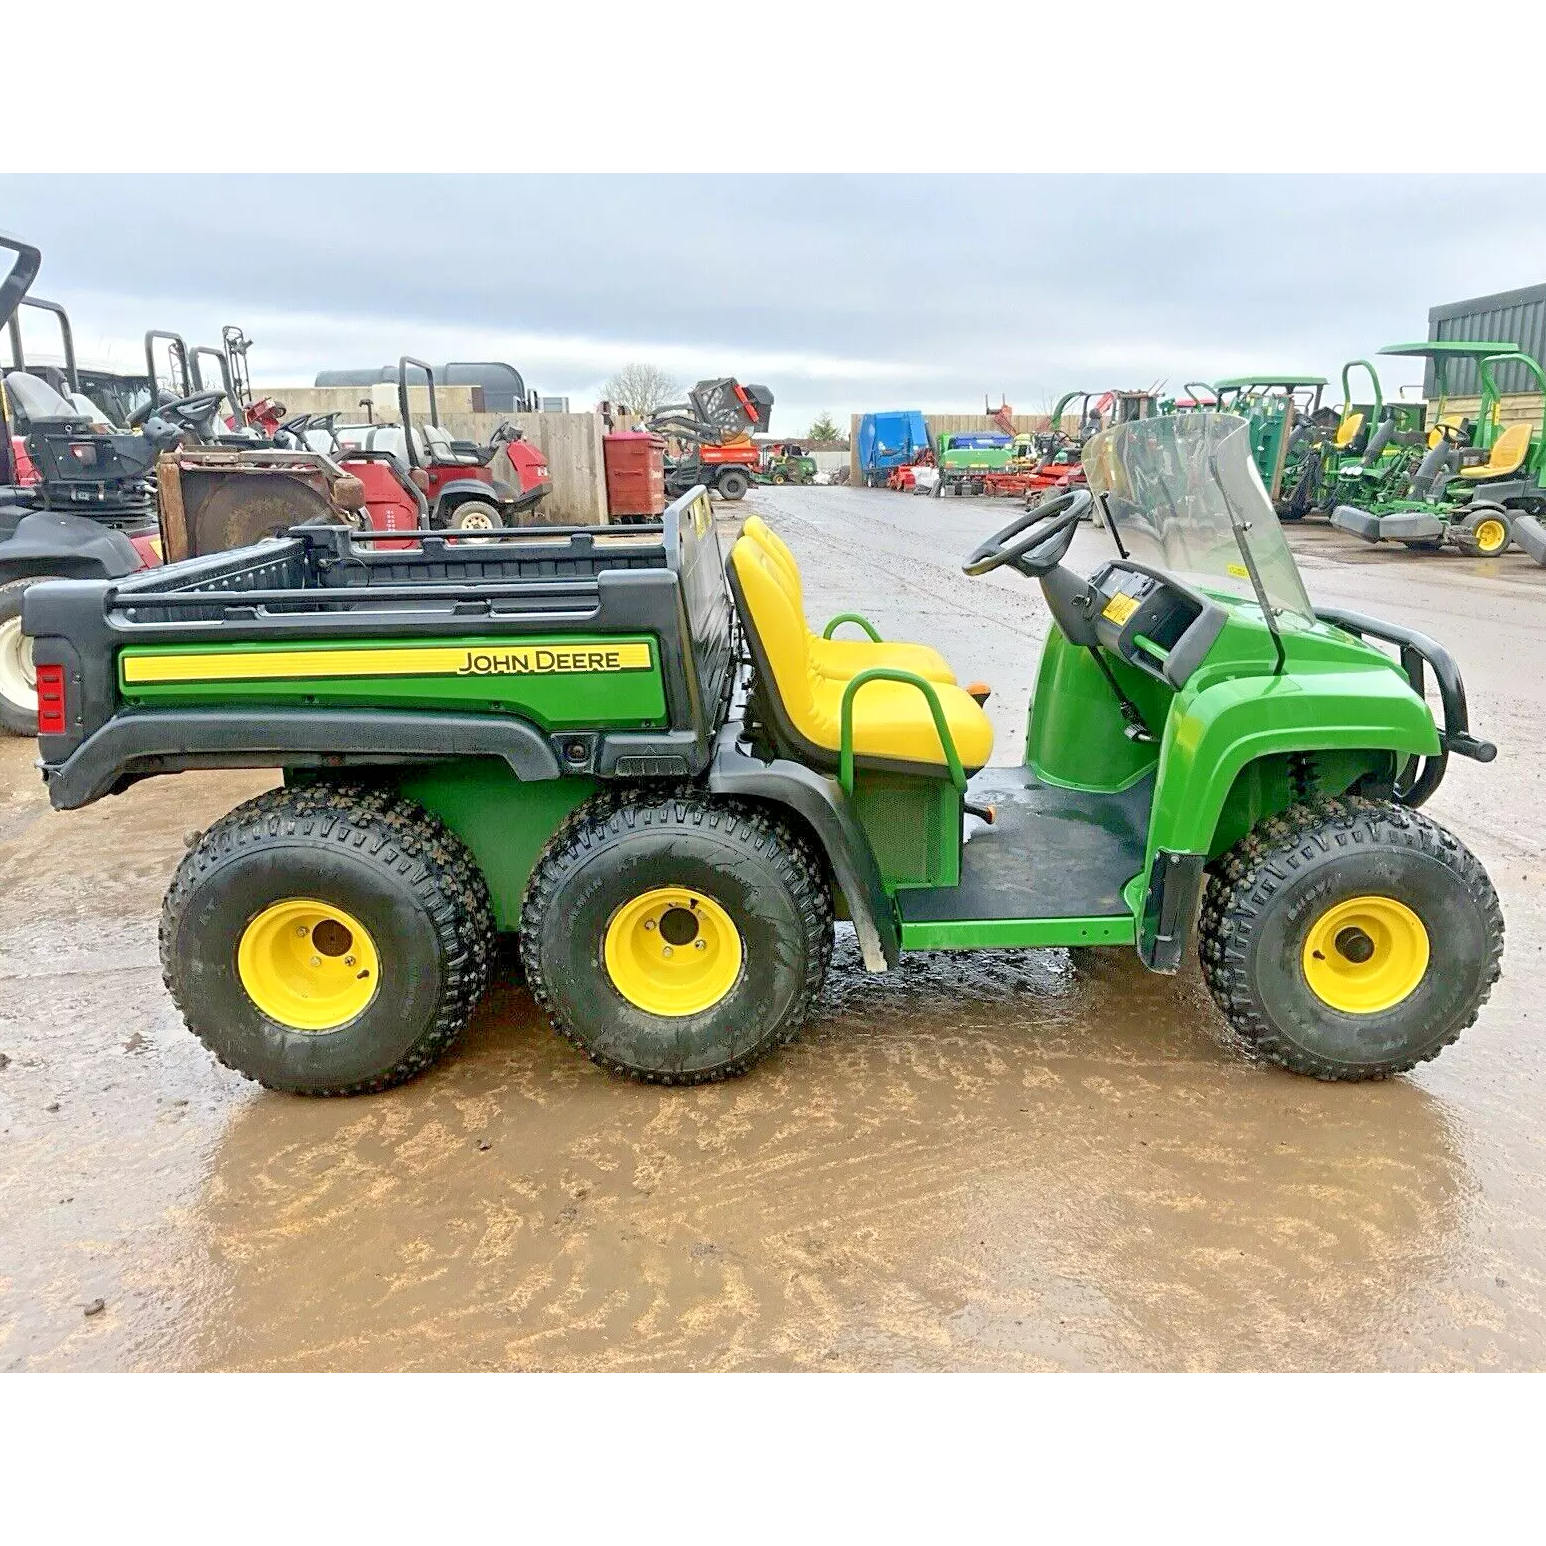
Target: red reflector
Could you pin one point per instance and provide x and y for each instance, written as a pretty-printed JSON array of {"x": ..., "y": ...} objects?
[
  {"x": 51, "y": 720},
  {"x": 84, "y": 452}
]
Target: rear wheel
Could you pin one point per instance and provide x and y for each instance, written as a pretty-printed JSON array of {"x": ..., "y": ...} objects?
[
  {"x": 327, "y": 939},
  {"x": 18, "y": 678},
  {"x": 679, "y": 938},
  {"x": 1350, "y": 939},
  {"x": 733, "y": 483},
  {"x": 475, "y": 515}
]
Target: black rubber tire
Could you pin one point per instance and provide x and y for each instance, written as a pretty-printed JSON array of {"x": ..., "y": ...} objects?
[
  {"x": 457, "y": 519},
  {"x": 389, "y": 862},
  {"x": 778, "y": 475},
  {"x": 1462, "y": 531},
  {"x": 758, "y": 868},
  {"x": 16, "y": 717},
  {"x": 1265, "y": 893},
  {"x": 732, "y": 484}
]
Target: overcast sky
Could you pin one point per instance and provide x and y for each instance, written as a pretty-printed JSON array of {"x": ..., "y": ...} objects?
[{"x": 842, "y": 294}]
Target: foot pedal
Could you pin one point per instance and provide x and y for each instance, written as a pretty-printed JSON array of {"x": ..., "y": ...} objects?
[
  {"x": 979, "y": 691},
  {"x": 984, "y": 813}
]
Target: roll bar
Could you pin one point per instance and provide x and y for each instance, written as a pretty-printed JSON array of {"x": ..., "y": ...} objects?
[
  {"x": 13, "y": 327},
  {"x": 177, "y": 351},
  {"x": 24, "y": 269},
  {"x": 402, "y": 402}
]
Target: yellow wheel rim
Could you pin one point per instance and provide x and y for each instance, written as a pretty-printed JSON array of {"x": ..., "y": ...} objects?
[
  {"x": 673, "y": 951},
  {"x": 309, "y": 965},
  {"x": 1365, "y": 954},
  {"x": 1491, "y": 534}
]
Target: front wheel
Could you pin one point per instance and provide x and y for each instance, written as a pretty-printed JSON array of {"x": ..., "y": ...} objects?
[
  {"x": 1350, "y": 939},
  {"x": 1483, "y": 532},
  {"x": 18, "y": 678},
  {"x": 327, "y": 939},
  {"x": 677, "y": 939}
]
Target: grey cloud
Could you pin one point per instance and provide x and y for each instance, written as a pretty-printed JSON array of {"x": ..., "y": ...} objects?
[{"x": 961, "y": 285}]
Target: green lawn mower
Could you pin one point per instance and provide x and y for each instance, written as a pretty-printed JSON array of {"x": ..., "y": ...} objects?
[
  {"x": 1281, "y": 410},
  {"x": 640, "y": 761},
  {"x": 1472, "y": 482},
  {"x": 787, "y": 464}
]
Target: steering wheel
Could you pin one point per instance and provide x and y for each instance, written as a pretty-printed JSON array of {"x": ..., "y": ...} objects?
[
  {"x": 1035, "y": 543},
  {"x": 191, "y": 410}
]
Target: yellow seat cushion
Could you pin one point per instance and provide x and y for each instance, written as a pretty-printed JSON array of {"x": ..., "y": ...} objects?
[
  {"x": 842, "y": 659},
  {"x": 891, "y": 720},
  {"x": 1508, "y": 451},
  {"x": 1347, "y": 430}
]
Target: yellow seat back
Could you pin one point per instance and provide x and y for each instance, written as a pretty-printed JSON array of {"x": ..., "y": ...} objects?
[
  {"x": 785, "y": 566},
  {"x": 1347, "y": 430},
  {"x": 781, "y": 632},
  {"x": 1508, "y": 451}
]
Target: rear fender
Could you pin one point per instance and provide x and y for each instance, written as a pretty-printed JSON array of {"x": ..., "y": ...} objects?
[
  {"x": 71, "y": 546},
  {"x": 819, "y": 804}
]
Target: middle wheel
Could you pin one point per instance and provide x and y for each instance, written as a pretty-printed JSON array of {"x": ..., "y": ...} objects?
[{"x": 677, "y": 939}]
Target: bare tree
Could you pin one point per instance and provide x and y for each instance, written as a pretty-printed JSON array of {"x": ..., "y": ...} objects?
[{"x": 640, "y": 388}]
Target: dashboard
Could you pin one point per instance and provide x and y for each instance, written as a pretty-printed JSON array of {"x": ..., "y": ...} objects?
[{"x": 1152, "y": 622}]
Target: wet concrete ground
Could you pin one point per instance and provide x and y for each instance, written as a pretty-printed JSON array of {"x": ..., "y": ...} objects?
[{"x": 1018, "y": 1160}]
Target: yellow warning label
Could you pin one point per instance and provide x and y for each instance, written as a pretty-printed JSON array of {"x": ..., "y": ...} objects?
[
  {"x": 1239, "y": 571},
  {"x": 1119, "y": 609},
  {"x": 427, "y": 660}
]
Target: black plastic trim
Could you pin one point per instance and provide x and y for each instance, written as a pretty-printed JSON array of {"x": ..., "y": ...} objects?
[
  {"x": 136, "y": 745},
  {"x": 1170, "y": 909},
  {"x": 820, "y": 801}
]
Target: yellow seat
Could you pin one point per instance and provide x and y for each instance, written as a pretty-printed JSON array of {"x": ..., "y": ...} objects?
[
  {"x": 891, "y": 720},
  {"x": 842, "y": 659},
  {"x": 1347, "y": 431},
  {"x": 1508, "y": 451}
]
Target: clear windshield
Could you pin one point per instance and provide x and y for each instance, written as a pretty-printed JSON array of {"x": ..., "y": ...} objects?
[{"x": 1184, "y": 495}]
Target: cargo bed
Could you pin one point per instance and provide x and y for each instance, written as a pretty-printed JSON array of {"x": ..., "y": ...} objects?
[{"x": 587, "y": 650}]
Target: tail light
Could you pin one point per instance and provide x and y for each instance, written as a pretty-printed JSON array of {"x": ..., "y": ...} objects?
[
  {"x": 51, "y": 706},
  {"x": 84, "y": 451}
]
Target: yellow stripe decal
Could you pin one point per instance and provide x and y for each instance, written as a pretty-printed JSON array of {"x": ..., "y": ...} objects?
[{"x": 431, "y": 660}]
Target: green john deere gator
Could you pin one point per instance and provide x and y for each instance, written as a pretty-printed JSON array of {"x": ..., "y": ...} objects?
[
  {"x": 643, "y": 763},
  {"x": 1278, "y": 408}
]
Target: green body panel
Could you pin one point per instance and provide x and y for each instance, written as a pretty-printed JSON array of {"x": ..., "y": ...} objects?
[
  {"x": 505, "y": 822},
  {"x": 553, "y": 700},
  {"x": 913, "y": 825},
  {"x": 1336, "y": 696},
  {"x": 973, "y": 458},
  {"x": 1018, "y": 933},
  {"x": 1075, "y": 734}
]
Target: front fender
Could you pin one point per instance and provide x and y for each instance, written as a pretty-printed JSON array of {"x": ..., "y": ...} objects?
[{"x": 1213, "y": 735}]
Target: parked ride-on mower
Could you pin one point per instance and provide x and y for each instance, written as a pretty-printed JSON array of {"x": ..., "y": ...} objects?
[
  {"x": 1473, "y": 482},
  {"x": 459, "y": 487},
  {"x": 554, "y": 741}
]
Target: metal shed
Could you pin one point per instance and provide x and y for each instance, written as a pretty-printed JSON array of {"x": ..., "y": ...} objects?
[{"x": 1518, "y": 315}]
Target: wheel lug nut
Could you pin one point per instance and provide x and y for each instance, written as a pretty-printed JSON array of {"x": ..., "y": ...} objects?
[
  {"x": 649, "y": 923},
  {"x": 316, "y": 960},
  {"x": 300, "y": 929},
  {"x": 701, "y": 944},
  {"x": 666, "y": 951},
  {"x": 348, "y": 960}
]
